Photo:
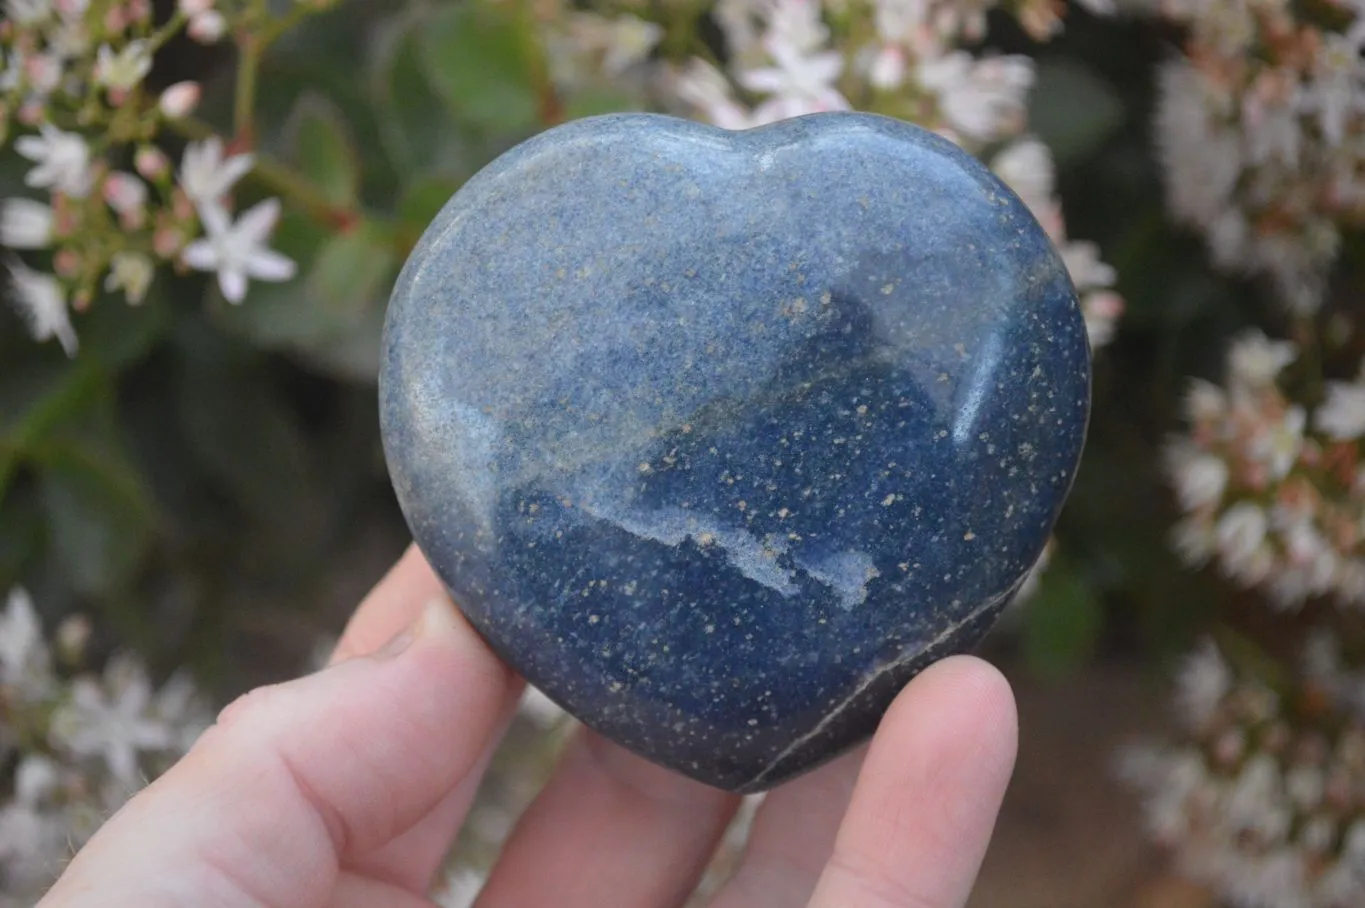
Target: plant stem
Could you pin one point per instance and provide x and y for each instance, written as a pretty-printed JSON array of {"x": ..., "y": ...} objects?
[
  {"x": 282, "y": 180},
  {"x": 244, "y": 94}
]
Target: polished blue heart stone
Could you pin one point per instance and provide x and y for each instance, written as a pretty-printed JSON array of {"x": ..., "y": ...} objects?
[{"x": 719, "y": 438}]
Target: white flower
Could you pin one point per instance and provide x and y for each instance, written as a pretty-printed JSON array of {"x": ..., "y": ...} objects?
[
  {"x": 63, "y": 160},
  {"x": 1205, "y": 401},
  {"x": 1194, "y": 540},
  {"x": 180, "y": 99},
  {"x": 237, "y": 251},
  {"x": 1240, "y": 534},
  {"x": 179, "y": 704},
  {"x": 739, "y": 21},
  {"x": 1277, "y": 444},
  {"x": 631, "y": 39},
  {"x": 1026, "y": 167},
  {"x": 1255, "y": 361},
  {"x": 982, "y": 99},
  {"x": 207, "y": 27},
  {"x": 27, "y": 13},
  {"x": 25, "y": 224},
  {"x": 112, "y": 720},
  {"x": 900, "y": 21},
  {"x": 123, "y": 69},
  {"x": 1101, "y": 311},
  {"x": 704, "y": 87},
  {"x": 799, "y": 84},
  {"x": 194, "y": 7},
  {"x": 1200, "y": 479},
  {"x": 1342, "y": 416},
  {"x": 23, "y": 652},
  {"x": 40, "y": 300},
  {"x": 1082, "y": 259},
  {"x": 1256, "y": 804},
  {"x": 35, "y": 779},
  {"x": 1203, "y": 682},
  {"x": 206, "y": 175},
  {"x": 30, "y": 840},
  {"x": 70, "y": 41},
  {"x": 1336, "y": 92},
  {"x": 131, "y": 272},
  {"x": 1201, "y": 155},
  {"x": 797, "y": 25},
  {"x": 886, "y": 68}
]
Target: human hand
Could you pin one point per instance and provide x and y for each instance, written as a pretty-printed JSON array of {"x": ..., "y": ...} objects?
[{"x": 345, "y": 789}]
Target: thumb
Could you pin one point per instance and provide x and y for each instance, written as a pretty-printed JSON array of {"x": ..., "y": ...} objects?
[{"x": 298, "y": 779}]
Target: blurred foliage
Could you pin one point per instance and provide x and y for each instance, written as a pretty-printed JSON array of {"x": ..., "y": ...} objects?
[{"x": 202, "y": 472}]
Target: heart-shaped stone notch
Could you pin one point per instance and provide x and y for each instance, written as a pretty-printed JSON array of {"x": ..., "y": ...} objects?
[{"x": 719, "y": 438}]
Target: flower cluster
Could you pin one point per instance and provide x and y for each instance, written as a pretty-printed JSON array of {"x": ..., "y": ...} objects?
[
  {"x": 1271, "y": 491},
  {"x": 1264, "y": 798},
  {"x": 1026, "y": 166},
  {"x": 1261, "y": 134},
  {"x": 902, "y": 58},
  {"x": 74, "y": 746},
  {"x": 74, "y": 85}
]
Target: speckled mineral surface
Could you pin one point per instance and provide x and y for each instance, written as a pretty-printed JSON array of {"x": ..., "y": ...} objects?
[{"x": 719, "y": 438}]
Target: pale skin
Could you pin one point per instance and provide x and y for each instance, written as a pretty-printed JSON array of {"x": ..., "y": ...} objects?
[{"x": 344, "y": 789}]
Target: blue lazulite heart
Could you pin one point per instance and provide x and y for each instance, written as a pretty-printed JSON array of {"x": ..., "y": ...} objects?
[{"x": 719, "y": 438}]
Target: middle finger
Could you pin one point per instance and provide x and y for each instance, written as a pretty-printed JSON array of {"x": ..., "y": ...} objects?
[{"x": 610, "y": 828}]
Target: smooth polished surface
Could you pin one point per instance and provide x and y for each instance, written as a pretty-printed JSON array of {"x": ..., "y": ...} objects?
[{"x": 719, "y": 438}]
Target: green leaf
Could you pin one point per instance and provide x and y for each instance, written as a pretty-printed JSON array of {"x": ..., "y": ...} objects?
[
  {"x": 325, "y": 148},
  {"x": 99, "y": 514},
  {"x": 1062, "y": 621},
  {"x": 241, "y": 432},
  {"x": 479, "y": 59},
  {"x": 21, "y": 533},
  {"x": 36, "y": 400},
  {"x": 414, "y": 139},
  {"x": 424, "y": 198},
  {"x": 1073, "y": 110},
  {"x": 350, "y": 272},
  {"x": 120, "y": 335}
]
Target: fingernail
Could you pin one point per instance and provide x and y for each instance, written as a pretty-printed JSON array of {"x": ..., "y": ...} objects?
[
  {"x": 438, "y": 619},
  {"x": 397, "y": 643}
]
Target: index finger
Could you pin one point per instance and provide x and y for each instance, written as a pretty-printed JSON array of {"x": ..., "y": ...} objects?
[{"x": 393, "y": 604}]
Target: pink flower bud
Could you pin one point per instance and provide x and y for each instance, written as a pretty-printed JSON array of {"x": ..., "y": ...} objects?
[
  {"x": 180, "y": 99},
  {"x": 116, "y": 20},
  {"x": 151, "y": 162},
  {"x": 166, "y": 242},
  {"x": 182, "y": 209},
  {"x": 67, "y": 263},
  {"x": 44, "y": 72},
  {"x": 207, "y": 27},
  {"x": 125, "y": 193},
  {"x": 139, "y": 10},
  {"x": 32, "y": 112}
]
